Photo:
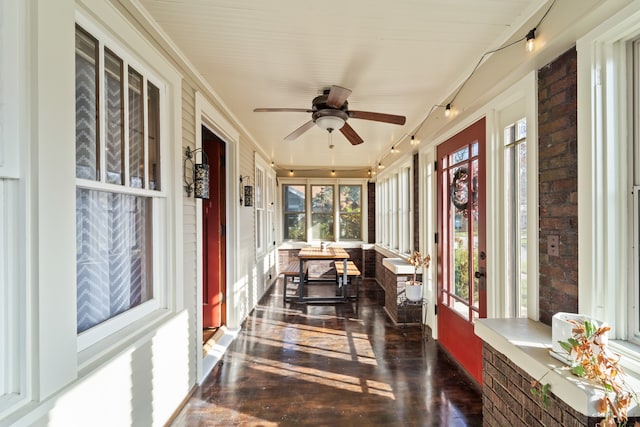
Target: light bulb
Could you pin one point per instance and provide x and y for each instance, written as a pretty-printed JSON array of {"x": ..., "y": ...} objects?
[{"x": 531, "y": 38}]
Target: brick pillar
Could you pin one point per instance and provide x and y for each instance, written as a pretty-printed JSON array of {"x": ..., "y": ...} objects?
[{"x": 558, "y": 185}]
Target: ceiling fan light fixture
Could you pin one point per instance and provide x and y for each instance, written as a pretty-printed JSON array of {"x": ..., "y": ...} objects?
[{"x": 330, "y": 123}]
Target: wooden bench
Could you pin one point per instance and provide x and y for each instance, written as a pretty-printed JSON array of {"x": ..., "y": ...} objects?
[
  {"x": 352, "y": 276},
  {"x": 290, "y": 271}
]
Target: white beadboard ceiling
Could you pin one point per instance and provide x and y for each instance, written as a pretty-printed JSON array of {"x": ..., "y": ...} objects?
[{"x": 398, "y": 57}]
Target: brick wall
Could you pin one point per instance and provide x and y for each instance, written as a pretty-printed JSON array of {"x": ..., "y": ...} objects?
[
  {"x": 507, "y": 399},
  {"x": 558, "y": 185},
  {"x": 369, "y": 261}
]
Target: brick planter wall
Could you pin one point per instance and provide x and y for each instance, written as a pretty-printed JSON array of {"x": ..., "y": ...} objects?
[
  {"x": 507, "y": 399},
  {"x": 558, "y": 185}
]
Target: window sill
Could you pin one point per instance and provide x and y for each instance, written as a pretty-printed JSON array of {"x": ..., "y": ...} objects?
[
  {"x": 94, "y": 355},
  {"x": 527, "y": 343},
  {"x": 352, "y": 244}
]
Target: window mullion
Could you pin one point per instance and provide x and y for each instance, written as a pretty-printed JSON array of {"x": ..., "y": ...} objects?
[
  {"x": 145, "y": 139},
  {"x": 101, "y": 122},
  {"x": 125, "y": 119}
]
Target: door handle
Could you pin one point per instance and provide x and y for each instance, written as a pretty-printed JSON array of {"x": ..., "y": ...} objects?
[{"x": 481, "y": 276}]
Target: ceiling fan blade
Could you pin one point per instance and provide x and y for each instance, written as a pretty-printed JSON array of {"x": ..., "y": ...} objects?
[
  {"x": 351, "y": 134},
  {"x": 302, "y": 129},
  {"x": 378, "y": 117},
  {"x": 337, "y": 96},
  {"x": 278, "y": 110}
]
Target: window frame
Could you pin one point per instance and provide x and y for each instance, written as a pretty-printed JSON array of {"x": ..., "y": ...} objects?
[
  {"x": 15, "y": 334},
  {"x": 394, "y": 208},
  {"x": 331, "y": 214},
  {"x": 335, "y": 183},
  {"x": 341, "y": 212},
  {"x": 513, "y": 191},
  {"x": 607, "y": 260},
  {"x": 159, "y": 198}
]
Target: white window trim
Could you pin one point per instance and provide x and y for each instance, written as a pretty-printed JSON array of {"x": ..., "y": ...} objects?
[
  {"x": 15, "y": 359},
  {"x": 94, "y": 341},
  {"x": 604, "y": 137}
]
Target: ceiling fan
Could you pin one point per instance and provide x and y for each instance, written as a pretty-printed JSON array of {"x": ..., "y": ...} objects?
[{"x": 330, "y": 111}]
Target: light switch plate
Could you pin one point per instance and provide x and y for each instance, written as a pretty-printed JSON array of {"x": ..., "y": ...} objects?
[{"x": 553, "y": 246}]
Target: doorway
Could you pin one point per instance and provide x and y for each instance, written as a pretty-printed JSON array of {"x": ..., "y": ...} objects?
[
  {"x": 461, "y": 259},
  {"x": 214, "y": 236}
]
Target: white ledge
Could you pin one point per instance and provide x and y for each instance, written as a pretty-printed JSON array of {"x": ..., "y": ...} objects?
[
  {"x": 527, "y": 343},
  {"x": 398, "y": 265}
]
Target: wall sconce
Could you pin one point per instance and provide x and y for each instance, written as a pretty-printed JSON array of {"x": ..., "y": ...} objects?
[
  {"x": 199, "y": 184},
  {"x": 246, "y": 191}
]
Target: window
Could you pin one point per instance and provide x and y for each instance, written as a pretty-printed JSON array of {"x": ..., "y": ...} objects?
[
  {"x": 294, "y": 212},
  {"x": 329, "y": 215},
  {"x": 322, "y": 212},
  {"x": 515, "y": 160},
  {"x": 608, "y": 172},
  {"x": 260, "y": 211},
  {"x": 350, "y": 212},
  {"x": 118, "y": 172},
  {"x": 393, "y": 209}
]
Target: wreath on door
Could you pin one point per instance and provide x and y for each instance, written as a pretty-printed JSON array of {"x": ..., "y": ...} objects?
[{"x": 460, "y": 189}]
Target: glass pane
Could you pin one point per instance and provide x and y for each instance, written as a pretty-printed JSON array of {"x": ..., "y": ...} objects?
[
  {"x": 350, "y": 199},
  {"x": 322, "y": 226},
  {"x": 153, "y": 125},
  {"x": 522, "y": 156},
  {"x": 474, "y": 229},
  {"x": 459, "y": 190},
  {"x": 136, "y": 130},
  {"x": 521, "y": 129},
  {"x": 113, "y": 124},
  {"x": 459, "y": 156},
  {"x": 350, "y": 226},
  {"x": 113, "y": 254},
  {"x": 322, "y": 198},
  {"x": 87, "y": 158},
  {"x": 350, "y": 212},
  {"x": 294, "y": 227},
  {"x": 294, "y": 198}
]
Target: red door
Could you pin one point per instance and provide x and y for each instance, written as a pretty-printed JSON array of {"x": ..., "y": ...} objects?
[
  {"x": 461, "y": 250},
  {"x": 213, "y": 238}
]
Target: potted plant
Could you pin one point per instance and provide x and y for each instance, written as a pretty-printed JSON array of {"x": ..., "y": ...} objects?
[
  {"x": 592, "y": 359},
  {"x": 413, "y": 288}
]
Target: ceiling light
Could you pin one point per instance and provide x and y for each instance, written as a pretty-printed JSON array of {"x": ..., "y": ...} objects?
[
  {"x": 333, "y": 172},
  {"x": 393, "y": 149},
  {"x": 380, "y": 166},
  {"x": 413, "y": 140},
  {"x": 531, "y": 38},
  {"x": 447, "y": 110},
  {"x": 291, "y": 172},
  {"x": 330, "y": 123}
]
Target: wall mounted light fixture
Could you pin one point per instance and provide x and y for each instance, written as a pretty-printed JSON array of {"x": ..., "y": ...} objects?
[
  {"x": 246, "y": 191},
  {"x": 199, "y": 184}
]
